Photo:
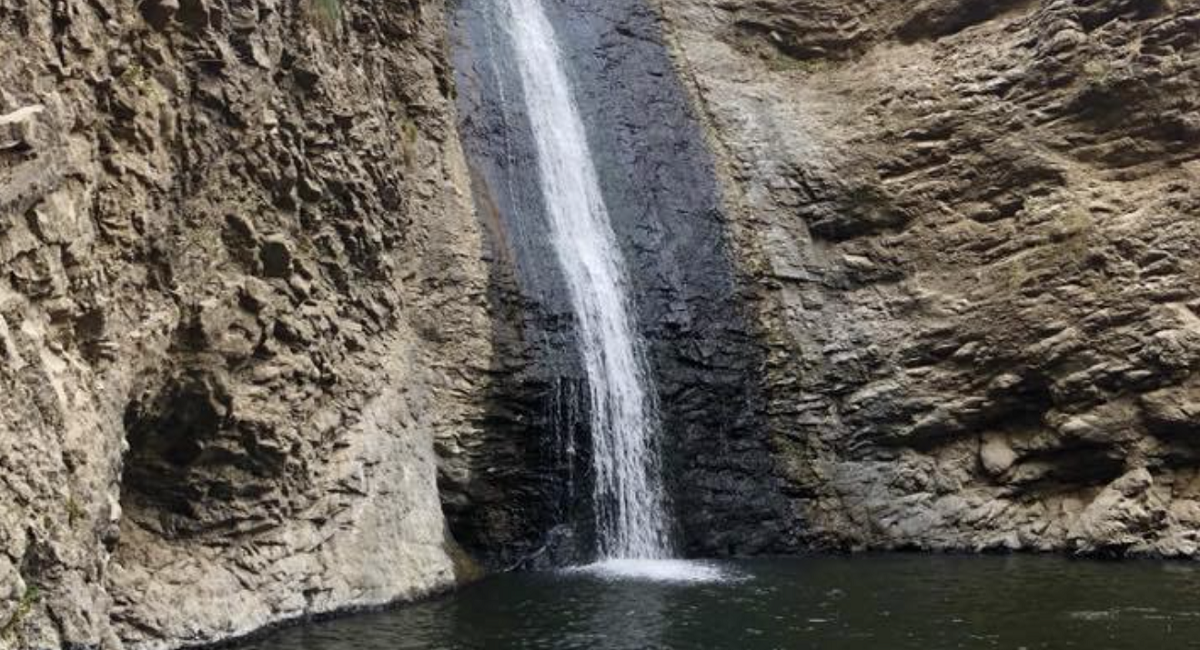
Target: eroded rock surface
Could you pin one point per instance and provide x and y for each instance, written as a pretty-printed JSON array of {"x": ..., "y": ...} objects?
[
  {"x": 973, "y": 229},
  {"x": 241, "y": 295},
  {"x": 249, "y": 323}
]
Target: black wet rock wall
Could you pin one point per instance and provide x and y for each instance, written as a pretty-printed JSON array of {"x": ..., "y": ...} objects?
[{"x": 659, "y": 185}]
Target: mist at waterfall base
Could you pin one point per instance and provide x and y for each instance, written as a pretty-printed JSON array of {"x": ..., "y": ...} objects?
[{"x": 871, "y": 602}]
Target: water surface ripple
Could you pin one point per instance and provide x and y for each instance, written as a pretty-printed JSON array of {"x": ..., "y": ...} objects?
[{"x": 828, "y": 603}]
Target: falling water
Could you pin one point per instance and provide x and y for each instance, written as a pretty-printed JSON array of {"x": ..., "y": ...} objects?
[{"x": 630, "y": 517}]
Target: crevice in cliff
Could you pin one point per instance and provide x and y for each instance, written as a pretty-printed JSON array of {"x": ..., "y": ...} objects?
[
  {"x": 939, "y": 18},
  {"x": 167, "y": 434},
  {"x": 1067, "y": 469}
]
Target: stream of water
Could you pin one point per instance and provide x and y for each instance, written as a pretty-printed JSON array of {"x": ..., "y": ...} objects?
[{"x": 628, "y": 494}]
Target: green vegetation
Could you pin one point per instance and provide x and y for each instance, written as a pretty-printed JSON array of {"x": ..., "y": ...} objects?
[
  {"x": 409, "y": 129},
  {"x": 1071, "y": 238},
  {"x": 410, "y": 134},
  {"x": 1068, "y": 244},
  {"x": 466, "y": 569},
  {"x": 867, "y": 198},
  {"x": 1101, "y": 90},
  {"x": 28, "y": 600},
  {"x": 1098, "y": 74},
  {"x": 329, "y": 11},
  {"x": 75, "y": 512},
  {"x": 135, "y": 76},
  {"x": 782, "y": 62}
]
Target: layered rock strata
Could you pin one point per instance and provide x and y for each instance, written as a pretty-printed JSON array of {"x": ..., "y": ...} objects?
[
  {"x": 241, "y": 298},
  {"x": 972, "y": 227}
]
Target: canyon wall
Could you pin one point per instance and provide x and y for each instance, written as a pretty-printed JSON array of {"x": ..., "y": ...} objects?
[
  {"x": 242, "y": 307},
  {"x": 971, "y": 228},
  {"x": 933, "y": 285}
]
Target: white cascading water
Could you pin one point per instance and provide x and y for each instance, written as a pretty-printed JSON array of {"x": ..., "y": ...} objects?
[{"x": 630, "y": 514}]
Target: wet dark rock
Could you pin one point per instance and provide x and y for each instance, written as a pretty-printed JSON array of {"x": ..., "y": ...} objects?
[{"x": 703, "y": 353}]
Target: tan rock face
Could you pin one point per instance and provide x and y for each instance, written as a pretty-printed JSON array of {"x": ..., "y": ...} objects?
[
  {"x": 973, "y": 227},
  {"x": 240, "y": 298}
]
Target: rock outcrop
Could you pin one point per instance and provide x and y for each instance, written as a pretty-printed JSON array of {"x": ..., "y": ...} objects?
[
  {"x": 972, "y": 227},
  {"x": 241, "y": 296}
]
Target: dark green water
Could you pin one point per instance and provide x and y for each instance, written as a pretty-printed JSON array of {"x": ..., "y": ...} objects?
[{"x": 884, "y": 602}]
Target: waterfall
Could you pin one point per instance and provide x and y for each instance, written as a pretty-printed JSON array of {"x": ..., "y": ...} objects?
[{"x": 628, "y": 494}]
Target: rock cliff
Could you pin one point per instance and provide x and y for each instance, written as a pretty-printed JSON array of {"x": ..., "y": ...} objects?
[
  {"x": 972, "y": 229},
  {"x": 255, "y": 335},
  {"x": 241, "y": 297}
]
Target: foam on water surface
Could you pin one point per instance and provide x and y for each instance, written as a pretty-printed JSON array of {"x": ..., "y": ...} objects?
[{"x": 652, "y": 570}]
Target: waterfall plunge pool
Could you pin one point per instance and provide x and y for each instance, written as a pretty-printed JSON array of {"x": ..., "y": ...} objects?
[{"x": 870, "y": 602}]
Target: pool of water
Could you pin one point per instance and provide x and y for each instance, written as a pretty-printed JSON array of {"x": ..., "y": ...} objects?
[{"x": 883, "y": 602}]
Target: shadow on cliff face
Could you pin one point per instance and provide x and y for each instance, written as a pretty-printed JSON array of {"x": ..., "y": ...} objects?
[
  {"x": 193, "y": 469},
  {"x": 512, "y": 499},
  {"x": 518, "y": 498},
  {"x": 167, "y": 437},
  {"x": 693, "y": 307}
]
